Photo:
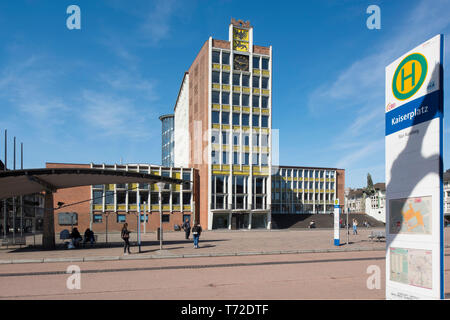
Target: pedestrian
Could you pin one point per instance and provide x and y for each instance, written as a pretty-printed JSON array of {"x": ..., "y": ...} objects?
[
  {"x": 125, "y": 234},
  {"x": 187, "y": 228},
  {"x": 196, "y": 231},
  {"x": 355, "y": 225}
]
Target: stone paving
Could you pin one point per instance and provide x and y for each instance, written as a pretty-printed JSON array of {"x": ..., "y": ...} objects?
[{"x": 212, "y": 243}]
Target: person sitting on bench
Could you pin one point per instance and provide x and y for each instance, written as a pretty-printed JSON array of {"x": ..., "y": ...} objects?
[
  {"x": 89, "y": 236},
  {"x": 76, "y": 237}
]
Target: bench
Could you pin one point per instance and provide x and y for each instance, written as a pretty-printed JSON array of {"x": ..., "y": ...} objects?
[
  {"x": 21, "y": 241},
  {"x": 377, "y": 235}
]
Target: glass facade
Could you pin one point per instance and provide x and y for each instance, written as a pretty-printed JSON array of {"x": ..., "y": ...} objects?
[{"x": 167, "y": 140}]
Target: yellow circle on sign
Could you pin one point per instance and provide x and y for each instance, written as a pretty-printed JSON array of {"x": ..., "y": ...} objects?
[{"x": 408, "y": 84}]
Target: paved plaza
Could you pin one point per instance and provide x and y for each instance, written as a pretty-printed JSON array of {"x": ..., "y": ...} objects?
[{"x": 212, "y": 243}]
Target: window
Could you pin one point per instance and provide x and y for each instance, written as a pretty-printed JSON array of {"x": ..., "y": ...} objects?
[
  {"x": 265, "y": 83},
  {"x": 154, "y": 198},
  {"x": 224, "y": 157},
  {"x": 215, "y": 77},
  {"x": 175, "y": 199},
  {"x": 255, "y": 101},
  {"x": 216, "y": 57},
  {"x": 245, "y": 80},
  {"x": 97, "y": 197},
  {"x": 236, "y": 79},
  {"x": 121, "y": 196},
  {"x": 214, "y": 157},
  {"x": 165, "y": 198},
  {"x": 225, "y": 98},
  {"x": 144, "y": 217},
  {"x": 225, "y": 117},
  {"x": 97, "y": 218},
  {"x": 246, "y": 158},
  {"x": 109, "y": 197},
  {"x": 224, "y": 137},
  {"x": 255, "y": 161},
  {"x": 246, "y": 139},
  {"x": 225, "y": 57},
  {"x": 215, "y": 97},
  {"x": 245, "y": 100},
  {"x": 264, "y": 102},
  {"x": 186, "y": 198},
  {"x": 215, "y": 117},
  {"x": 236, "y": 99},
  {"x": 225, "y": 78},
  {"x": 264, "y": 140},
  {"x": 245, "y": 119},
  {"x": 121, "y": 218},
  {"x": 265, "y": 63},
  {"x": 235, "y": 139},
  {"x": 256, "y": 140},
  {"x": 255, "y": 82},
  {"x": 187, "y": 177},
  {"x": 236, "y": 119},
  {"x": 255, "y": 120},
  {"x": 235, "y": 157},
  {"x": 264, "y": 121},
  {"x": 214, "y": 136},
  {"x": 264, "y": 159},
  {"x": 255, "y": 62},
  {"x": 165, "y": 218}
]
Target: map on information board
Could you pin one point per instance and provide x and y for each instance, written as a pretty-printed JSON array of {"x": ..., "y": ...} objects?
[
  {"x": 410, "y": 216},
  {"x": 411, "y": 266}
]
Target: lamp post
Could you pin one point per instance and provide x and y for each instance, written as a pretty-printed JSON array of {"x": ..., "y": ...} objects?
[{"x": 160, "y": 188}]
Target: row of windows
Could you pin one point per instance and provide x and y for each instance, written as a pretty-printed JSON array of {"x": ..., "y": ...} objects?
[
  {"x": 122, "y": 218},
  {"x": 257, "y": 139},
  {"x": 258, "y": 62},
  {"x": 306, "y": 173},
  {"x": 130, "y": 197},
  {"x": 277, "y": 184},
  {"x": 264, "y": 84},
  {"x": 240, "y": 99},
  {"x": 278, "y": 197},
  {"x": 240, "y": 158},
  {"x": 239, "y": 184},
  {"x": 301, "y": 208},
  {"x": 257, "y": 120}
]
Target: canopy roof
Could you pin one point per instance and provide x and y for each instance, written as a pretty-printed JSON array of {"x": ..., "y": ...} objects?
[{"x": 22, "y": 182}]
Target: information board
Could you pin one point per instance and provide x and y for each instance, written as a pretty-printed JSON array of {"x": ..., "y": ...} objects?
[{"x": 414, "y": 190}]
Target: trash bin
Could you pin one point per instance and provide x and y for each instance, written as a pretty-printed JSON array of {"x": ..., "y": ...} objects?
[{"x": 158, "y": 234}]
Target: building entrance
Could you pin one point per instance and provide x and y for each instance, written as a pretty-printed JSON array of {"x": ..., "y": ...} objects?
[{"x": 239, "y": 221}]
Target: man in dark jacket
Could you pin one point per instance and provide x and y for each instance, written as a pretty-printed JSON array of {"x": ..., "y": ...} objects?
[
  {"x": 187, "y": 228},
  {"x": 196, "y": 231}
]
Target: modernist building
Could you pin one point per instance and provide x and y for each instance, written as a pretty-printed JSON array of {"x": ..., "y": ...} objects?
[
  {"x": 306, "y": 189},
  {"x": 223, "y": 128},
  {"x": 102, "y": 207}
]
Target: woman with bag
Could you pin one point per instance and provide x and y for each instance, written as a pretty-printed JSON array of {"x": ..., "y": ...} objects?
[{"x": 125, "y": 234}]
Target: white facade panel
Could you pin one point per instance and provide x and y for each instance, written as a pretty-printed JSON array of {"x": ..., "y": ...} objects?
[{"x": 181, "y": 132}]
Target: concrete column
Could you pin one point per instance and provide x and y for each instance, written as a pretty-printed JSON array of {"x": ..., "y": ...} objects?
[{"x": 48, "y": 235}]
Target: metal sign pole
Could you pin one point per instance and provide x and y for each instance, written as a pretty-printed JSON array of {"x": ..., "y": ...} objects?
[{"x": 139, "y": 220}]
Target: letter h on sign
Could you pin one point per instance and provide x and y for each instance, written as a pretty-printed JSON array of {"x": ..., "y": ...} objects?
[{"x": 412, "y": 76}]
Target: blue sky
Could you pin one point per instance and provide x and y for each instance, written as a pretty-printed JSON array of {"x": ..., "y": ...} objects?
[{"x": 95, "y": 94}]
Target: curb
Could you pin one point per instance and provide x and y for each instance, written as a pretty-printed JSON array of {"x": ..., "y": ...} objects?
[{"x": 193, "y": 255}]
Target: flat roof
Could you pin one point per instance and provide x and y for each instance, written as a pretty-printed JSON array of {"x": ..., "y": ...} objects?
[{"x": 22, "y": 182}]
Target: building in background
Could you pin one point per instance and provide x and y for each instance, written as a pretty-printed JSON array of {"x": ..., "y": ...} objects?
[
  {"x": 102, "y": 207},
  {"x": 223, "y": 128},
  {"x": 306, "y": 189},
  {"x": 167, "y": 142}
]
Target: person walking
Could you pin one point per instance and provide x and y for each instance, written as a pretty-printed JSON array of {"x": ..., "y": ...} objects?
[
  {"x": 125, "y": 234},
  {"x": 355, "y": 226},
  {"x": 187, "y": 228},
  {"x": 196, "y": 231}
]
